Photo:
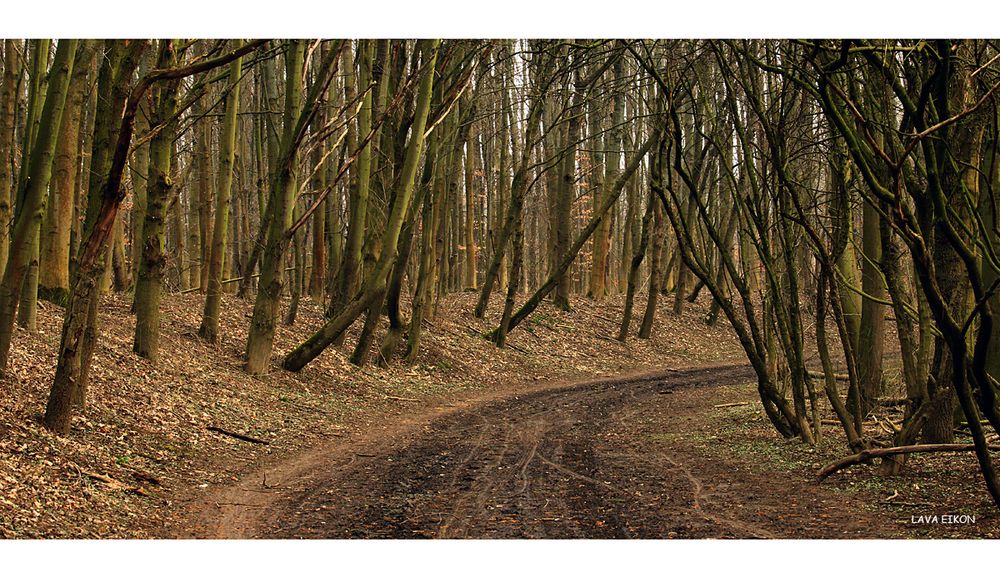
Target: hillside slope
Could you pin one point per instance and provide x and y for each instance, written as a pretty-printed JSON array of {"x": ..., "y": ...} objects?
[{"x": 142, "y": 449}]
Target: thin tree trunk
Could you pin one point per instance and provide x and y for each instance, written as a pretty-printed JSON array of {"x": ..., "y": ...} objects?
[
  {"x": 209, "y": 329},
  {"x": 656, "y": 256},
  {"x": 8, "y": 100},
  {"x": 633, "y": 273}
]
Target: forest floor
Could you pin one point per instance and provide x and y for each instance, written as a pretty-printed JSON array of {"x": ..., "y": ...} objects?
[
  {"x": 667, "y": 454},
  {"x": 468, "y": 441}
]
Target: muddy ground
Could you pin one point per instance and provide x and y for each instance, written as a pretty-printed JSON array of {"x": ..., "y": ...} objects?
[{"x": 644, "y": 456}]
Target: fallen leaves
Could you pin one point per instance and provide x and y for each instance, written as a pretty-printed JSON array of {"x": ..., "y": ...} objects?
[{"x": 142, "y": 448}]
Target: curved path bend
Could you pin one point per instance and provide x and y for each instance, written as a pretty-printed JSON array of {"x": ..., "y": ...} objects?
[{"x": 573, "y": 461}]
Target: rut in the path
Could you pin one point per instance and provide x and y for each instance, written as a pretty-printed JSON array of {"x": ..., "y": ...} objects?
[{"x": 535, "y": 466}]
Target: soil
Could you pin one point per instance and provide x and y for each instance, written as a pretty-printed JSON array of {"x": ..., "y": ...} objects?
[{"x": 612, "y": 458}]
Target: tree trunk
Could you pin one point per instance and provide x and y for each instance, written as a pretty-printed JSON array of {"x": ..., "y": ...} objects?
[
  {"x": 8, "y": 99},
  {"x": 112, "y": 135},
  {"x": 53, "y": 275},
  {"x": 633, "y": 272},
  {"x": 283, "y": 187},
  {"x": 350, "y": 276},
  {"x": 209, "y": 329},
  {"x": 149, "y": 285},
  {"x": 26, "y": 312},
  {"x": 610, "y": 195},
  {"x": 656, "y": 257},
  {"x": 24, "y": 241}
]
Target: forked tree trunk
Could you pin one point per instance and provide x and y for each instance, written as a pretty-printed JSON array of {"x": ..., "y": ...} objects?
[
  {"x": 265, "y": 311},
  {"x": 376, "y": 284},
  {"x": 633, "y": 272}
]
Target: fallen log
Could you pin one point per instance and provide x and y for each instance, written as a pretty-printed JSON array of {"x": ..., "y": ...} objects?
[
  {"x": 737, "y": 404},
  {"x": 238, "y": 436},
  {"x": 870, "y": 454}
]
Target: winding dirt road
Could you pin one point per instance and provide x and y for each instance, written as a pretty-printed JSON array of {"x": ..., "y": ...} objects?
[{"x": 573, "y": 461}]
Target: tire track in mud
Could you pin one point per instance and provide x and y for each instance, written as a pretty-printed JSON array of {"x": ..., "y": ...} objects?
[{"x": 537, "y": 465}]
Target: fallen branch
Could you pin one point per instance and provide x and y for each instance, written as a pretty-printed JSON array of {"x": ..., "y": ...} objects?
[
  {"x": 306, "y": 407},
  {"x": 891, "y": 428},
  {"x": 895, "y": 494},
  {"x": 605, "y": 337},
  {"x": 240, "y": 504},
  {"x": 145, "y": 477},
  {"x": 516, "y": 348},
  {"x": 870, "y": 454},
  {"x": 101, "y": 478},
  {"x": 737, "y": 404},
  {"x": 238, "y": 436},
  {"x": 112, "y": 483},
  {"x": 836, "y": 376},
  {"x": 393, "y": 397}
]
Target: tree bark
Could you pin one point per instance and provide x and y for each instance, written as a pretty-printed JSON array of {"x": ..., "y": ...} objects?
[
  {"x": 209, "y": 329},
  {"x": 24, "y": 241}
]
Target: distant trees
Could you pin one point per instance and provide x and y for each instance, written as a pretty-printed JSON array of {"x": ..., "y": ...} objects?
[{"x": 815, "y": 129}]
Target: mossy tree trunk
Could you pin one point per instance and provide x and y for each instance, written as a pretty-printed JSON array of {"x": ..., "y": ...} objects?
[
  {"x": 376, "y": 284},
  {"x": 209, "y": 329},
  {"x": 149, "y": 285},
  {"x": 283, "y": 186},
  {"x": 8, "y": 100},
  {"x": 53, "y": 280},
  {"x": 26, "y": 311},
  {"x": 298, "y": 115},
  {"x": 34, "y": 194}
]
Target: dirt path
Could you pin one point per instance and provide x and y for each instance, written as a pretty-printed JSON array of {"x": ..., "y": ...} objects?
[{"x": 584, "y": 460}]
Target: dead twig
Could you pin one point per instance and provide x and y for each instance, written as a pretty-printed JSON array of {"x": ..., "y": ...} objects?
[
  {"x": 238, "y": 436},
  {"x": 114, "y": 484},
  {"x": 516, "y": 348}
]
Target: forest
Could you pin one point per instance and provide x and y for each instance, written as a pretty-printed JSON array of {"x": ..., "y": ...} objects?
[{"x": 251, "y": 243}]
